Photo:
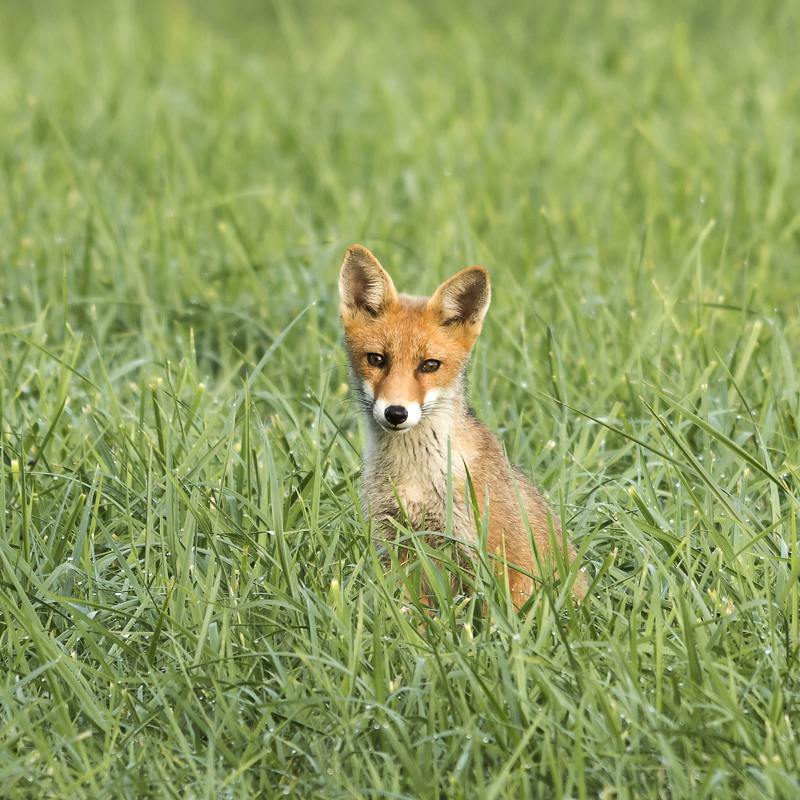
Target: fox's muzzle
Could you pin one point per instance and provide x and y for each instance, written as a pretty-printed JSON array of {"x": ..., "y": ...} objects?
[{"x": 397, "y": 416}]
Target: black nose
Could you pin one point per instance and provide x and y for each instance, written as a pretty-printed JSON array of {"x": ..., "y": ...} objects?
[{"x": 397, "y": 415}]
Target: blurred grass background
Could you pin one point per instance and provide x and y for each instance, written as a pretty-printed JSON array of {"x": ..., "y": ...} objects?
[{"x": 189, "y": 602}]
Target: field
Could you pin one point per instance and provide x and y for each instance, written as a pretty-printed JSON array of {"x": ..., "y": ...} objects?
[{"x": 190, "y": 605}]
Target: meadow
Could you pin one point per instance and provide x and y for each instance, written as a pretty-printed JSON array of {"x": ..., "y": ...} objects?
[{"x": 190, "y": 604}]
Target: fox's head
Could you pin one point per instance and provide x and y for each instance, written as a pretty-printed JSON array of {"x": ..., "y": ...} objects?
[{"x": 408, "y": 355}]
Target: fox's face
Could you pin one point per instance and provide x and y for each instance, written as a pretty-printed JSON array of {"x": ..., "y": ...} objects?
[{"x": 408, "y": 354}]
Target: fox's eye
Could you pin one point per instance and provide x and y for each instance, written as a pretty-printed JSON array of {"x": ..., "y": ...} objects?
[
  {"x": 375, "y": 359},
  {"x": 431, "y": 365}
]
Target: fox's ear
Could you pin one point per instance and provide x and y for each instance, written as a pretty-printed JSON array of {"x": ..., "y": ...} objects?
[
  {"x": 464, "y": 298},
  {"x": 363, "y": 284}
]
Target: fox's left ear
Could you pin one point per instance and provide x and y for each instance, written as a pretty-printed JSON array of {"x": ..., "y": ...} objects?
[{"x": 464, "y": 299}]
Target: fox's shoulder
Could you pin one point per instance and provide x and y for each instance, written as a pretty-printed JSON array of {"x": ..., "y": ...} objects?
[
  {"x": 472, "y": 434},
  {"x": 491, "y": 457}
]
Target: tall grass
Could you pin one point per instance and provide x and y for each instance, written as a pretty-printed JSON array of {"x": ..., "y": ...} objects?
[{"x": 189, "y": 602}]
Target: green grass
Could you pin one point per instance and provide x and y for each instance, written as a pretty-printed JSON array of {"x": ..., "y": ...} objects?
[{"x": 189, "y": 602}]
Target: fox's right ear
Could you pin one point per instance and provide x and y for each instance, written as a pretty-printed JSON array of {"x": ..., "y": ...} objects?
[{"x": 364, "y": 285}]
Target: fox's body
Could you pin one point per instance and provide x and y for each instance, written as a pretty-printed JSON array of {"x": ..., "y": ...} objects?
[{"x": 408, "y": 360}]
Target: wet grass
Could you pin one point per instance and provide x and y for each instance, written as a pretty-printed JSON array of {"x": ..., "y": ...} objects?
[{"x": 189, "y": 603}]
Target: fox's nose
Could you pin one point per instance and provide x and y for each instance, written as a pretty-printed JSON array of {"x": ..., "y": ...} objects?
[{"x": 396, "y": 415}]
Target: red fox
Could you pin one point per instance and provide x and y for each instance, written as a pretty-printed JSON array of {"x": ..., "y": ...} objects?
[{"x": 408, "y": 360}]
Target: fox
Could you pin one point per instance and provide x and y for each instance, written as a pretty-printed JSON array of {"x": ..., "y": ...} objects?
[{"x": 408, "y": 358}]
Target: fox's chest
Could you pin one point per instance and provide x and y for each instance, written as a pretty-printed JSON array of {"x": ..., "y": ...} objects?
[{"x": 407, "y": 476}]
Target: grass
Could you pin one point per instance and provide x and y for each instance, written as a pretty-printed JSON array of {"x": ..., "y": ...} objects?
[{"x": 189, "y": 603}]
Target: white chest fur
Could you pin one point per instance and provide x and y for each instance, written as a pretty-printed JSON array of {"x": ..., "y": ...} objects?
[{"x": 412, "y": 467}]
